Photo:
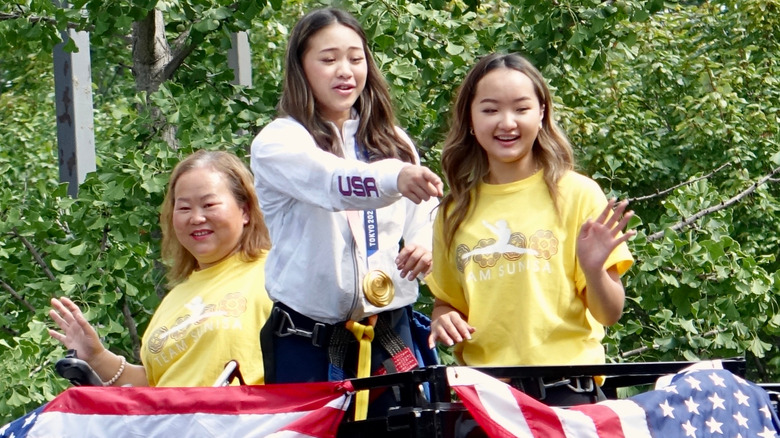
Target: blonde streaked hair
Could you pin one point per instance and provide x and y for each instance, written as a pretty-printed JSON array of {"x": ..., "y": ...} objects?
[
  {"x": 465, "y": 163},
  {"x": 255, "y": 238}
]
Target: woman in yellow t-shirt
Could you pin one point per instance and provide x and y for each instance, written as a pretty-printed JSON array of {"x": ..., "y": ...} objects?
[
  {"x": 527, "y": 253},
  {"x": 214, "y": 242}
]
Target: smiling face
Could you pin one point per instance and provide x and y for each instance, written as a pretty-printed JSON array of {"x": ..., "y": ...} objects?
[
  {"x": 506, "y": 116},
  {"x": 207, "y": 220},
  {"x": 335, "y": 66}
]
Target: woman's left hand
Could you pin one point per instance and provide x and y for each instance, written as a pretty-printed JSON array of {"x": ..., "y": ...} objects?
[
  {"x": 599, "y": 237},
  {"x": 413, "y": 260}
]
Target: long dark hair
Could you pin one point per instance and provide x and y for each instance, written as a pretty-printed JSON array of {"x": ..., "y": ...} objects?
[
  {"x": 465, "y": 163},
  {"x": 377, "y": 131}
]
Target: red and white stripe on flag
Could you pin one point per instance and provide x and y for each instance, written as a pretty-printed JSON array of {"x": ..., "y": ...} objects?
[
  {"x": 505, "y": 412},
  {"x": 704, "y": 400},
  {"x": 308, "y": 410}
]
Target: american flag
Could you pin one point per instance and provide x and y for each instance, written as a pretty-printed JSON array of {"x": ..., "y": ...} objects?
[
  {"x": 696, "y": 403},
  {"x": 310, "y": 410}
]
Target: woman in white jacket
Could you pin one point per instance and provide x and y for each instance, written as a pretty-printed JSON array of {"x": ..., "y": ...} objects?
[{"x": 348, "y": 207}]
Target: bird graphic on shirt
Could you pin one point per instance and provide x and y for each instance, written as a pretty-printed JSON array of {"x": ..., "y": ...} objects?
[{"x": 502, "y": 244}]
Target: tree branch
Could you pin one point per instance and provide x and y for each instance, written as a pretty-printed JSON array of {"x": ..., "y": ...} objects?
[
  {"x": 11, "y": 332},
  {"x": 637, "y": 351},
  {"x": 16, "y": 295},
  {"x": 723, "y": 205},
  {"x": 44, "y": 365},
  {"x": 104, "y": 239},
  {"x": 670, "y": 189},
  {"x": 641, "y": 350},
  {"x": 35, "y": 254},
  {"x": 132, "y": 328},
  {"x": 179, "y": 53},
  {"x": 703, "y": 277},
  {"x": 34, "y": 19},
  {"x": 4, "y": 16}
]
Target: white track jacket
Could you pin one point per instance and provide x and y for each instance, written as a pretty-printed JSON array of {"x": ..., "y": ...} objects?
[{"x": 316, "y": 264}]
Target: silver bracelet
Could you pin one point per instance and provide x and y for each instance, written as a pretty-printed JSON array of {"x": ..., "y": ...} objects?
[{"x": 122, "y": 362}]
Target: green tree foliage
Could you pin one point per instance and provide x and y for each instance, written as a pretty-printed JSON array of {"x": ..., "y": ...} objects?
[
  {"x": 673, "y": 105},
  {"x": 684, "y": 121}
]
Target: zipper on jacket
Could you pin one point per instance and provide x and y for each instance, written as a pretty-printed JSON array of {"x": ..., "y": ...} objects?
[{"x": 356, "y": 290}]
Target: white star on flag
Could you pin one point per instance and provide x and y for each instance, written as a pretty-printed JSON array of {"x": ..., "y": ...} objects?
[
  {"x": 767, "y": 433},
  {"x": 717, "y": 402},
  {"x": 717, "y": 380},
  {"x": 693, "y": 382},
  {"x": 668, "y": 410},
  {"x": 742, "y": 398},
  {"x": 30, "y": 419},
  {"x": 689, "y": 429},
  {"x": 670, "y": 388},
  {"x": 741, "y": 419},
  {"x": 692, "y": 406},
  {"x": 714, "y": 425}
]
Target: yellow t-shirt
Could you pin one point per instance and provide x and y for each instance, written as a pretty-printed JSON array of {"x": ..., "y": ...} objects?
[
  {"x": 212, "y": 317},
  {"x": 512, "y": 270}
]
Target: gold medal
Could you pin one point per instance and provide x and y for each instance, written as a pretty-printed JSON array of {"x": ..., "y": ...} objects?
[{"x": 378, "y": 288}]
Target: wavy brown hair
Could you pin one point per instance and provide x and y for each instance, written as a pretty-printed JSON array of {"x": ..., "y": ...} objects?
[
  {"x": 376, "y": 132},
  {"x": 465, "y": 163},
  {"x": 255, "y": 238}
]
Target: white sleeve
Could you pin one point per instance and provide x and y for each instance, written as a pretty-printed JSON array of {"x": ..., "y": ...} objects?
[
  {"x": 285, "y": 159},
  {"x": 418, "y": 226}
]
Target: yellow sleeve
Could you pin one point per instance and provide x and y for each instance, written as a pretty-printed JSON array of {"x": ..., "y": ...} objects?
[{"x": 444, "y": 279}]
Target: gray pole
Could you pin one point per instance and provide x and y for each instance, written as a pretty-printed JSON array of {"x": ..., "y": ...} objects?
[
  {"x": 239, "y": 59},
  {"x": 75, "y": 125}
]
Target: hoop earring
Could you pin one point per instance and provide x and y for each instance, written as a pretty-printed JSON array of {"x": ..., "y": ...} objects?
[{"x": 471, "y": 131}]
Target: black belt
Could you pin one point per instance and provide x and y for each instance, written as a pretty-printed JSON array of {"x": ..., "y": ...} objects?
[
  {"x": 335, "y": 337},
  {"x": 287, "y": 322}
]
